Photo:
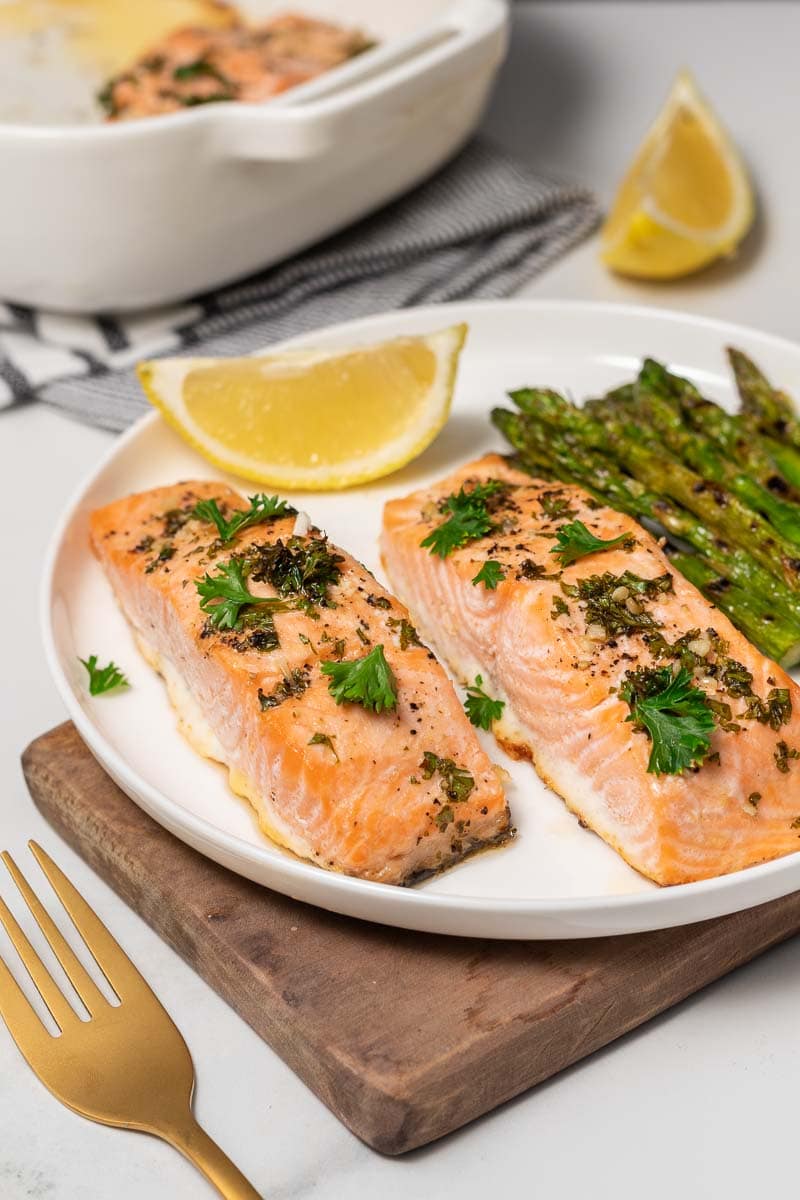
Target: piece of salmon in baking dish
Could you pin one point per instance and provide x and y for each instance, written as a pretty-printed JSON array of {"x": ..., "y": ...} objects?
[
  {"x": 288, "y": 663},
  {"x": 638, "y": 702}
]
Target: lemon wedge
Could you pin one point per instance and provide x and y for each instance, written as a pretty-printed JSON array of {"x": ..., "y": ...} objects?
[
  {"x": 311, "y": 419},
  {"x": 686, "y": 199}
]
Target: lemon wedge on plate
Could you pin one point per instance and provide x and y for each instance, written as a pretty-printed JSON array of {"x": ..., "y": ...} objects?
[
  {"x": 311, "y": 419},
  {"x": 686, "y": 199}
]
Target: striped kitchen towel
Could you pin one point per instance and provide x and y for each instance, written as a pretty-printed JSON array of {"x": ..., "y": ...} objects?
[{"x": 478, "y": 228}]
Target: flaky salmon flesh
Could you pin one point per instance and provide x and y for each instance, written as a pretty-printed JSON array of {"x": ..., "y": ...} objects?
[
  {"x": 387, "y": 795},
  {"x": 538, "y": 647}
]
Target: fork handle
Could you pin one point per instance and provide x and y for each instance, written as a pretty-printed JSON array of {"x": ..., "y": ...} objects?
[{"x": 195, "y": 1144}]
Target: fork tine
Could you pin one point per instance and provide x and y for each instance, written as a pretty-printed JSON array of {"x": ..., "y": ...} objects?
[
  {"x": 106, "y": 951},
  {"x": 77, "y": 974},
  {"x": 19, "y": 1015},
  {"x": 46, "y": 986}
]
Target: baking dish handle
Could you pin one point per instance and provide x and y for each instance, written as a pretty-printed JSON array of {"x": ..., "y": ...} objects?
[{"x": 382, "y": 95}]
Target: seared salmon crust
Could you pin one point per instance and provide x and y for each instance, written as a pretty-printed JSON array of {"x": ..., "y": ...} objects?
[
  {"x": 387, "y": 796},
  {"x": 539, "y": 647}
]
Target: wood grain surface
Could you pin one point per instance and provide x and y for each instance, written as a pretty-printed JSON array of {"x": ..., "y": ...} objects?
[{"x": 404, "y": 1036}]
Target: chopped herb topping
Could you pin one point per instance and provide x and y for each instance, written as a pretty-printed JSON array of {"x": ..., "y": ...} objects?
[
  {"x": 576, "y": 541},
  {"x": 407, "y": 634},
  {"x": 166, "y": 552},
  {"x": 615, "y": 601},
  {"x": 145, "y": 545},
  {"x": 324, "y": 739},
  {"x": 197, "y": 69},
  {"x": 490, "y": 574},
  {"x": 379, "y": 601},
  {"x": 560, "y": 607},
  {"x": 300, "y": 568},
  {"x": 262, "y": 508},
  {"x": 675, "y": 715},
  {"x": 468, "y": 518},
  {"x": 103, "y": 679},
  {"x": 456, "y": 782},
  {"x": 368, "y": 681},
  {"x": 480, "y": 708},
  {"x": 528, "y": 569},
  {"x": 293, "y": 684},
  {"x": 775, "y": 711},
  {"x": 174, "y": 520},
  {"x": 362, "y": 636},
  {"x": 783, "y": 753},
  {"x": 555, "y": 505},
  {"x": 223, "y": 596}
]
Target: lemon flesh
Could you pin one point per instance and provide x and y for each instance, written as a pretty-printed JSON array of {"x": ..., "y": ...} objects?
[
  {"x": 312, "y": 419},
  {"x": 686, "y": 199}
]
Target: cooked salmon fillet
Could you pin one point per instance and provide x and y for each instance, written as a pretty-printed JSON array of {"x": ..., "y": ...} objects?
[
  {"x": 204, "y": 65},
  {"x": 385, "y": 795},
  {"x": 540, "y": 648}
]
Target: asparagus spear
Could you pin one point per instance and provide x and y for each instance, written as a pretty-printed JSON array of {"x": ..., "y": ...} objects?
[
  {"x": 761, "y": 605},
  {"x": 662, "y": 472},
  {"x": 543, "y": 449},
  {"x": 769, "y": 631},
  {"x": 759, "y": 398},
  {"x": 660, "y": 407}
]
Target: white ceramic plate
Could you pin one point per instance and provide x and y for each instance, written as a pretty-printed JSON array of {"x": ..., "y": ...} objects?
[{"x": 556, "y": 880}]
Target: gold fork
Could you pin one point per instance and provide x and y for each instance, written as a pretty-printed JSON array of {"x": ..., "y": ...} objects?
[{"x": 128, "y": 1065}]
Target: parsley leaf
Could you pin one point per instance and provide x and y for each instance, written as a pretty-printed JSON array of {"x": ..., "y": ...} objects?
[
  {"x": 223, "y": 596},
  {"x": 468, "y": 518},
  {"x": 675, "y": 714},
  {"x": 576, "y": 541},
  {"x": 262, "y": 508},
  {"x": 103, "y": 679},
  {"x": 480, "y": 708},
  {"x": 368, "y": 681},
  {"x": 490, "y": 574}
]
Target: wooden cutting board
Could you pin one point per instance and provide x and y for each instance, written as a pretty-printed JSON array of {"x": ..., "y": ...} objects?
[{"x": 404, "y": 1036}]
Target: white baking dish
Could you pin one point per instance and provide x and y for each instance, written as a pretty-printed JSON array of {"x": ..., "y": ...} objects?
[{"x": 115, "y": 217}]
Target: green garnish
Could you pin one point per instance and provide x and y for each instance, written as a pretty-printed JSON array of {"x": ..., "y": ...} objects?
[
  {"x": 368, "y": 681},
  {"x": 490, "y": 574},
  {"x": 293, "y": 684},
  {"x": 468, "y": 518},
  {"x": 324, "y": 739},
  {"x": 480, "y": 708},
  {"x": 103, "y": 679},
  {"x": 223, "y": 596},
  {"x": 300, "y": 568},
  {"x": 576, "y": 541},
  {"x": 783, "y": 752},
  {"x": 615, "y": 602},
  {"x": 195, "y": 70},
  {"x": 775, "y": 711},
  {"x": 555, "y": 504},
  {"x": 674, "y": 713},
  {"x": 262, "y": 508},
  {"x": 456, "y": 783},
  {"x": 407, "y": 633},
  {"x": 166, "y": 552}
]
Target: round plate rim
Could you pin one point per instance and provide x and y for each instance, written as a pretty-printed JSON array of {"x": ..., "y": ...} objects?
[{"x": 454, "y": 914}]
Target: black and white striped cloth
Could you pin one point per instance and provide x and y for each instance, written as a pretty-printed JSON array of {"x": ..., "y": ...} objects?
[{"x": 477, "y": 229}]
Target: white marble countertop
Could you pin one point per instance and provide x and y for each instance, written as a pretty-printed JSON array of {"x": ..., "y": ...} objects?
[{"x": 699, "y": 1102}]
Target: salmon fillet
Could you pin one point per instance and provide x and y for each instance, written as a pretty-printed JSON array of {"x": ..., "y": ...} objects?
[
  {"x": 385, "y": 795},
  {"x": 538, "y": 649},
  {"x": 194, "y": 66}
]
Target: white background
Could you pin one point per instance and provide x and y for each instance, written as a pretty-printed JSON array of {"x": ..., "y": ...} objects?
[{"x": 700, "y": 1102}]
